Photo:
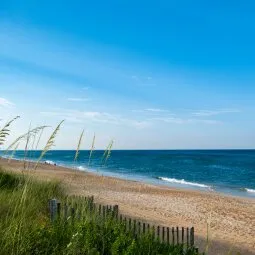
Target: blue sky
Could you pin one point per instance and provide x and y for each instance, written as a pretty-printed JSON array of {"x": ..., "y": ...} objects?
[{"x": 163, "y": 75}]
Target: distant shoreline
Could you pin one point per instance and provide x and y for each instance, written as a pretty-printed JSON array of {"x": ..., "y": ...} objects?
[
  {"x": 159, "y": 180},
  {"x": 232, "y": 219}
]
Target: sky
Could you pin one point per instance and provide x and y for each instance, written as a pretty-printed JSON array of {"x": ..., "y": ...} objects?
[{"x": 147, "y": 74}]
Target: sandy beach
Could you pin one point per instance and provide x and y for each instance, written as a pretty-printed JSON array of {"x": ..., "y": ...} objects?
[{"x": 231, "y": 220}]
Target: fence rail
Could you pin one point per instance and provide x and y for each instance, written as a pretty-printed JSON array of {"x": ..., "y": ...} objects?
[{"x": 75, "y": 207}]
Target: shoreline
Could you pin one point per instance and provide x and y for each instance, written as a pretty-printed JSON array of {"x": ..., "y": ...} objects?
[
  {"x": 241, "y": 193},
  {"x": 232, "y": 220}
]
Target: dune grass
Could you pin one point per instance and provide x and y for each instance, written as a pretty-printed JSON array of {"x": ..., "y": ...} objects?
[
  {"x": 25, "y": 227},
  {"x": 23, "y": 210}
]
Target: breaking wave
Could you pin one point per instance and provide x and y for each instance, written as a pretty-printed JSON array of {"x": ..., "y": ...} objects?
[
  {"x": 182, "y": 181},
  {"x": 250, "y": 190},
  {"x": 50, "y": 162},
  {"x": 81, "y": 168}
]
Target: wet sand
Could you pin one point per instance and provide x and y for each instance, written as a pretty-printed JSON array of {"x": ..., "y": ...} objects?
[{"x": 231, "y": 220}]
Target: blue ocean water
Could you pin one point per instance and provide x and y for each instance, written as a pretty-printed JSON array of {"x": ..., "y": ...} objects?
[{"x": 228, "y": 171}]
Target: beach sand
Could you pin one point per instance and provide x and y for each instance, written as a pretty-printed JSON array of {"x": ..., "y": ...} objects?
[{"x": 231, "y": 220}]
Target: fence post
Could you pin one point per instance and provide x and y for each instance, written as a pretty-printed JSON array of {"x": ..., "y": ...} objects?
[
  {"x": 104, "y": 209},
  {"x": 116, "y": 211},
  {"x": 139, "y": 228},
  {"x": 158, "y": 232},
  {"x": 134, "y": 230},
  {"x": 177, "y": 234},
  {"x": 53, "y": 209},
  {"x": 192, "y": 236},
  {"x": 72, "y": 213},
  {"x": 153, "y": 232},
  {"x": 125, "y": 224},
  {"x": 187, "y": 236},
  {"x": 168, "y": 235},
  {"x": 163, "y": 234},
  {"x": 58, "y": 209},
  {"x": 65, "y": 211},
  {"x": 173, "y": 235},
  {"x": 148, "y": 228},
  {"x": 182, "y": 235},
  {"x": 143, "y": 228}
]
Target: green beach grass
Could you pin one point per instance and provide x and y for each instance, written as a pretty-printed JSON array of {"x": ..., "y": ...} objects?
[{"x": 25, "y": 227}]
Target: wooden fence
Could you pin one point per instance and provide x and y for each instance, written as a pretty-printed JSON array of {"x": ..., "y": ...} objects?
[{"x": 76, "y": 206}]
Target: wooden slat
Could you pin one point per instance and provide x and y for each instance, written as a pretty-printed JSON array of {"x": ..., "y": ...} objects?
[
  {"x": 192, "y": 236},
  {"x": 134, "y": 227},
  {"x": 182, "y": 235},
  {"x": 143, "y": 228},
  {"x": 168, "y": 235},
  {"x": 187, "y": 237},
  {"x": 173, "y": 239},
  {"x": 148, "y": 228},
  {"x": 80, "y": 206},
  {"x": 153, "y": 232},
  {"x": 158, "y": 232},
  {"x": 125, "y": 224}
]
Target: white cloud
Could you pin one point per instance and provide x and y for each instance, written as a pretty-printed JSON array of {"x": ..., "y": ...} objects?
[
  {"x": 176, "y": 120},
  {"x": 77, "y": 99},
  {"x": 5, "y": 103},
  {"x": 203, "y": 113},
  {"x": 155, "y": 110},
  {"x": 99, "y": 117},
  {"x": 154, "y": 115},
  {"x": 152, "y": 110},
  {"x": 137, "y": 111},
  {"x": 143, "y": 81}
]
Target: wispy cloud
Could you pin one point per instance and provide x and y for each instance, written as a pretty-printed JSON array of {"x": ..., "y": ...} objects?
[
  {"x": 176, "y": 120},
  {"x": 5, "y": 103},
  {"x": 204, "y": 113},
  {"x": 86, "y": 88},
  {"x": 154, "y": 115},
  {"x": 78, "y": 99},
  {"x": 145, "y": 81},
  {"x": 151, "y": 110},
  {"x": 155, "y": 110},
  {"x": 95, "y": 116}
]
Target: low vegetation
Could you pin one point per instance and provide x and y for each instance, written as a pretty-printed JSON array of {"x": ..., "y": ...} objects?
[{"x": 25, "y": 227}]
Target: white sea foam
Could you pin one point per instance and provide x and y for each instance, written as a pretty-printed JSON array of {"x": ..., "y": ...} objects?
[
  {"x": 50, "y": 162},
  {"x": 250, "y": 190},
  {"x": 173, "y": 180},
  {"x": 81, "y": 168}
]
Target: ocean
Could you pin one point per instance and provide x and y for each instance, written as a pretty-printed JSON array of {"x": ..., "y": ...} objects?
[{"x": 227, "y": 171}]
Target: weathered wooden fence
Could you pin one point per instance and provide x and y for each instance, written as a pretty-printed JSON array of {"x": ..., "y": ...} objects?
[{"x": 76, "y": 206}]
